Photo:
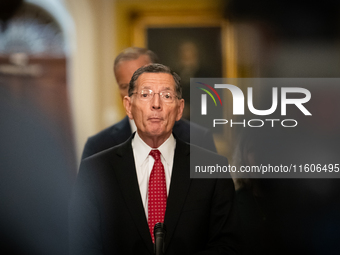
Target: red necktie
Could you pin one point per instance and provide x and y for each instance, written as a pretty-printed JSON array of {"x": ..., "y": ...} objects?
[{"x": 157, "y": 194}]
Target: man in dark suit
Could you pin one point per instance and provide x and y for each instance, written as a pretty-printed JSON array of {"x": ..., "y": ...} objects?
[
  {"x": 113, "y": 207},
  {"x": 126, "y": 63}
]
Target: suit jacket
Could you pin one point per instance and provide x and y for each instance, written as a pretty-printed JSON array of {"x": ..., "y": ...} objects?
[
  {"x": 107, "y": 215},
  {"x": 121, "y": 131}
]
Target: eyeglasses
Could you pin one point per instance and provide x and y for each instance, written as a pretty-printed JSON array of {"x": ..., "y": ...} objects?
[{"x": 147, "y": 95}]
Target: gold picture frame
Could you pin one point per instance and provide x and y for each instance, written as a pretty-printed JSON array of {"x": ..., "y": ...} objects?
[{"x": 165, "y": 19}]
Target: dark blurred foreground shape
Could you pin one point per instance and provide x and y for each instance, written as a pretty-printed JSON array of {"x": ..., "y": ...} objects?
[
  {"x": 36, "y": 162},
  {"x": 293, "y": 216},
  {"x": 35, "y": 182}
]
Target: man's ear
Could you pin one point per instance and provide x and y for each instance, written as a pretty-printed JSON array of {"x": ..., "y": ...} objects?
[
  {"x": 180, "y": 109},
  {"x": 128, "y": 105}
]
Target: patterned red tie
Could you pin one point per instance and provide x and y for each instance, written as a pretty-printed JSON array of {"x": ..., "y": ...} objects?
[{"x": 157, "y": 194}]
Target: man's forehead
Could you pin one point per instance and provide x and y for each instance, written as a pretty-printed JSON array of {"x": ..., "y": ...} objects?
[
  {"x": 162, "y": 87},
  {"x": 150, "y": 80}
]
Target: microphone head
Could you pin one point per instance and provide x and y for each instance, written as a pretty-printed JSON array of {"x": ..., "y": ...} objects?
[{"x": 159, "y": 228}]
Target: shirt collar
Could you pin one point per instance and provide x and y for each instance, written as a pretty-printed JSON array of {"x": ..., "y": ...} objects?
[{"x": 167, "y": 149}]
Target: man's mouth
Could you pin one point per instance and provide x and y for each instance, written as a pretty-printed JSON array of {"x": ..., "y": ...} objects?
[{"x": 155, "y": 118}]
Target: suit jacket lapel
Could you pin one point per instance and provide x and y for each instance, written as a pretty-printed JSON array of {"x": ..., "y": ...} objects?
[
  {"x": 128, "y": 182},
  {"x": 179, "y": 187}
]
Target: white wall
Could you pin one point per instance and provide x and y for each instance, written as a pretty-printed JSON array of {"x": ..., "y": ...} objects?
[{"x": 90, "y": 38}]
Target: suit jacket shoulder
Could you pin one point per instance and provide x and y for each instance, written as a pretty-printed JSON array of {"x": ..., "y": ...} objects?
[
  {"x": 106, "y": 210},
  {"x": 107, "y": 138}
]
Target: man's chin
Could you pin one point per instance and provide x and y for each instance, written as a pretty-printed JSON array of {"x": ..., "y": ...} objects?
[
  {"x": 156, "y": 130},
  {"x": 157, "y": 133}
]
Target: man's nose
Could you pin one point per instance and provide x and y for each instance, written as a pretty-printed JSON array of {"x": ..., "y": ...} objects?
[{"x": 156, "y": 101}]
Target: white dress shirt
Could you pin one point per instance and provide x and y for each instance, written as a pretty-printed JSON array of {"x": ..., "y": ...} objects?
[{"x": 144, "y": 163}]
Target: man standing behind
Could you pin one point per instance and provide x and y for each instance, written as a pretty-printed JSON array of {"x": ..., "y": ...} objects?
[
  {"x": 122, "y": 192},
  {"x": 125, "y": 64}
]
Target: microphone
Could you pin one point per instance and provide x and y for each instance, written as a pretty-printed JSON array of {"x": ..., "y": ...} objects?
[{"x": 159, "y": 232}]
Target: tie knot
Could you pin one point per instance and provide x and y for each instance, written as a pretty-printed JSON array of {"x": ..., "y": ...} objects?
[{"x": 156, "y": 154}]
